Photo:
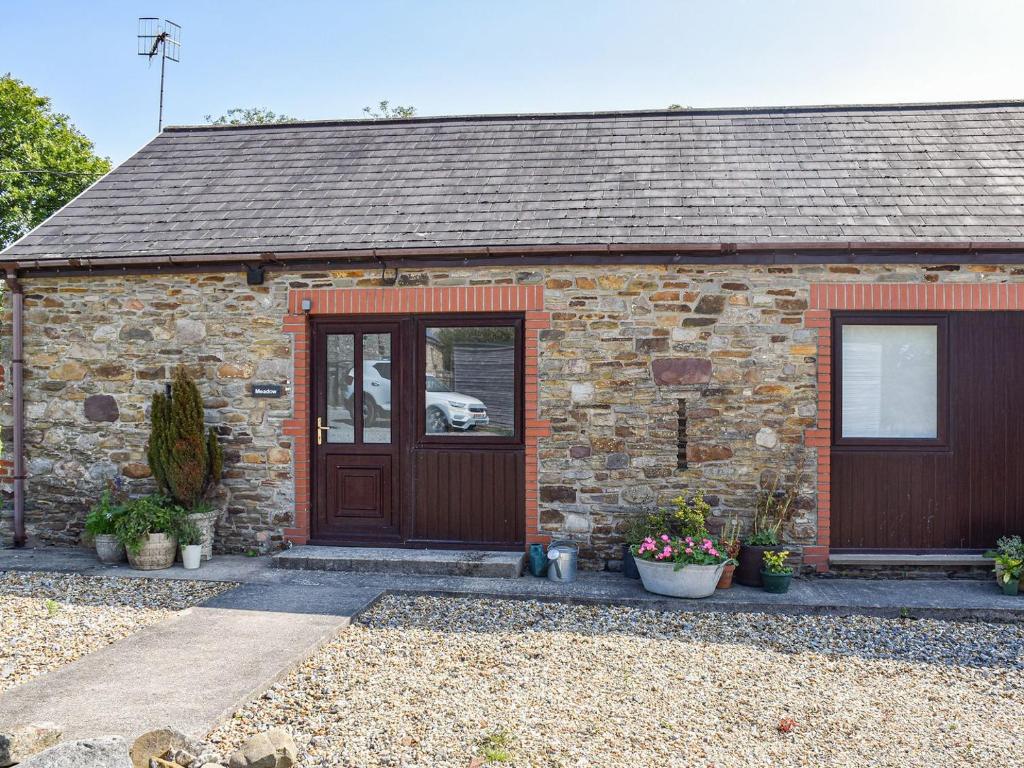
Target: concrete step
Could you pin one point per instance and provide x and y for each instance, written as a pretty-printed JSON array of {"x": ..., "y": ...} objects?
[
  {"x": 392, "y": 560},
  {"x": 910, "y": 566}
]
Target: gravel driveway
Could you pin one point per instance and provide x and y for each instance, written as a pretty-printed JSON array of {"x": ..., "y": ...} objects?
[
  {"x": 48, "y": 620},
  {"x": 458, "y": 682}
]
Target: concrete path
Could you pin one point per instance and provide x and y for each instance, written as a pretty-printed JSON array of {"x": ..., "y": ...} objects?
[{"x": 190, "y": 671}]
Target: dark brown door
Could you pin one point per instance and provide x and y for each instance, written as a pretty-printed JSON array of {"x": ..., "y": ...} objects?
[
  {"x": 928, "y": 430},
  {"x": 357, "y": 438},
  {"x": 418, "y": 431}
]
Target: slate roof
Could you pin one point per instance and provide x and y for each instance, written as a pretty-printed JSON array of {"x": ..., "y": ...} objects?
[{"x": 913, "y": 173}]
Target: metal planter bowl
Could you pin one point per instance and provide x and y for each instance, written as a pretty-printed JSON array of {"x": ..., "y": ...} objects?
[{"x": 690, "y": 581}]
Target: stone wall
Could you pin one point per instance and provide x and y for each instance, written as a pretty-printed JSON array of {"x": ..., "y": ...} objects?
[{"x": 626, "y": 345}]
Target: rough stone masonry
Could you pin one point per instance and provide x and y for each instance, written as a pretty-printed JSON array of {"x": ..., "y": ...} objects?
[{"x": 626, "y": 345}]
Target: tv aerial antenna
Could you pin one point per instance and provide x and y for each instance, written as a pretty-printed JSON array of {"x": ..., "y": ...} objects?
[{"x": 159, "y": 37}]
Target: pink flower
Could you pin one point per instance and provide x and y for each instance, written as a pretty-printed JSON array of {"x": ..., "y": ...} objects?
[
  {"x": 689, "y": 550},
  {"x": 689, "y": 540},
  {"x": 713, "y": 552},
  {"x": 664, "y": 537}
]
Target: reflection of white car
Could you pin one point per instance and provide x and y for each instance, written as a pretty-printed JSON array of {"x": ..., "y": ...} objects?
[
  {"x": 452, "y": 410},
  {"x": 376, "y": 390}
]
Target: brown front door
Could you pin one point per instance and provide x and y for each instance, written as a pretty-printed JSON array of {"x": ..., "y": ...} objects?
[
  {"x": 928, "y": 430},
  {"x": 418, "y": 431},
  {"x": 356, "y": 435}
]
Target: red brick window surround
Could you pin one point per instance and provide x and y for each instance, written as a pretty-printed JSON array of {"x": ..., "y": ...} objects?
[
  {"x": 828, "y": 297},
  {"x": 528, "y": 299}
]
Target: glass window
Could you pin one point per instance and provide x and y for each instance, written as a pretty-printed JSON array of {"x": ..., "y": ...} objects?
[
  {"x": 890, "y": 381},
  {"x": 376, "y": 387},
  {"x": 340, "y": 389},
  {"x": 470, "y": 386}
]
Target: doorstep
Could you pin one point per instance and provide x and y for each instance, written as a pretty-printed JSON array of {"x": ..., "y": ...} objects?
[
  {"x": 407, "y": 562},
  {"x": 909, "y": 560}
]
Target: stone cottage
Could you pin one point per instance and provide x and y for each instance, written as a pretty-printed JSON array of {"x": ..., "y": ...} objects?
[{"x": 655, "y": 302}]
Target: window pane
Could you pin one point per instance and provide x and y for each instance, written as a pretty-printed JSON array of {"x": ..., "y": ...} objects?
[
  {"x": 340, "y": 364},
  {"x": 376, "y": 387},
  {"x": 890, "y": 381},
  {"x": 470, "y": 381}
]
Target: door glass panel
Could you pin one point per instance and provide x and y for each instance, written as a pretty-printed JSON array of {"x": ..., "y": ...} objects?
[
  {"x": 340, "y": 389},
  {"x": 377, "y": 388},
  {"x": 470, "y": 381},
  {"x": 890, "y": 381}
]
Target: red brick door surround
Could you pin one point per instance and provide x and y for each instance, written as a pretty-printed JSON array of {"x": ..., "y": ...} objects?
[
  {"x": 528, "y": 299},
  {"x": 907, "y": 297}
]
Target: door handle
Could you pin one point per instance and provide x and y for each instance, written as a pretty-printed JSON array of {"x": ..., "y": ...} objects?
[
  {"x": 374, "y": 383},
  {"x": 320, "y": 429}
]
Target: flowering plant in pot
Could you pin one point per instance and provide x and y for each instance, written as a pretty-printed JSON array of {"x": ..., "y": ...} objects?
[
  {"x": 775, "y": 505},
  {"x": 101, "y": 522},
  {"x": 729, "y": 543},
  {"x": 679, "y": 567},
  {"x": 147, "y": 529},
  {"x": 776, "y": 575},
  {"x": 1009, "y": 551}
]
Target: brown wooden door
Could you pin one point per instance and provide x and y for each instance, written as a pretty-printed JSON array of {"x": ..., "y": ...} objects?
[
  {"x": 962, "y": 488},
  {"x": 357, "y": 437},
  {"x": 418, "y": 431}
]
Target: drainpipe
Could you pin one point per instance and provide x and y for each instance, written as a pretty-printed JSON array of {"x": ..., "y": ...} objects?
[{"x": 17, "y": 356}]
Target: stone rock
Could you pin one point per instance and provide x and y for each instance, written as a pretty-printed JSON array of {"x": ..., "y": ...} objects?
[
  {"x": 582, "y": 392},
  {"x": 69, "y": 371},
  {"x": 21, "y": 742},
  {"x": 273, "y": 749},
  {"x": 279, "y": 456},
  {"x": 135, "y": 334},
  {"x": 233, "y": 371},
  {"x": 766, "y": 438},
  {"x": 671, "y": 371},
  {"x": 579, "y": 451},
  {"x": 102, "y": 752},
  {"x": 159, "y": 762},
  {"x": 617, "y": 461},
  {"x": 189, "y": 331},
  {"x": 699, "y": 453},
  {"x": 136, "y": 471},
  {"x": 158, "y": 743},
  {"x": 101, "y": 408},
  {"x": 574, "y": 522},
  {"x": 558, "y": 493},
  {"x": 712, "y": 304}
]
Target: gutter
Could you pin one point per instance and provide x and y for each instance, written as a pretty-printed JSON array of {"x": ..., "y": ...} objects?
[
  {"x": 17, "y": 374},
  {"x": 847, "y": 252}
]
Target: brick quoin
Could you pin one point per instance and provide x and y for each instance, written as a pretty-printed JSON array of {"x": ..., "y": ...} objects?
[
  {"x": 827, "y": 297},
  {"x": 528, "y": 299}
]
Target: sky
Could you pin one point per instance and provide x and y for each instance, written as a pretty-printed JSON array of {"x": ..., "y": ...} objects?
[{"x": 315, "y": 59}]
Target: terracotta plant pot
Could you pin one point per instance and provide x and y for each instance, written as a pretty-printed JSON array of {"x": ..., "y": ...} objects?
[
  {"x": 691, "y": 581},
  {"x": 776, "y": 583},
  {"x": 725, "y": 580},
  {"x": 157, "y": 552},
  {"x": 748, "y": 572},
  {"x": 109, "y": 550},
  {"x": 629, "y": 563}
]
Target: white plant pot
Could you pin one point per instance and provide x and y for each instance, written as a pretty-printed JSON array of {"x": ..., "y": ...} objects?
[
  {"x": 192, "y": 556},
  {"x": 689, "y": 581},
  {"x": 109, "y": 550}
]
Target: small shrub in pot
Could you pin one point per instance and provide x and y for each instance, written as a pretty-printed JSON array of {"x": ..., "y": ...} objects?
[
  {"x": 147, "y": 529},
  {"x": 101, "y": 522},
  {"x": 190, "y": 540},
  {"x": 775, "y": 505},
  {"x": 1009, "y": 564},
  {"x": 775, "y": 574}
]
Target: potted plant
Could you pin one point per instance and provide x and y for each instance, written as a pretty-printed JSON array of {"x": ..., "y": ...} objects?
[
  {"x": 775, "y": 505},
  {"x": 190, "y": 540},
  {"x": 679, "y": 567},
  {"x": 776, "y": 575},
  {"x": 184, "y": 455},
  {"x": 100, "y": 525},
  {"x": 146, "y": 528},
  {"x": 729, "y": 543},
  {"x": 686, "y": 518},
  {"x": 1009, "y": 549}
]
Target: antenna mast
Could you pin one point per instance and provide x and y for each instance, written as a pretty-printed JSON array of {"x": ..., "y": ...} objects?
[{"x": 163, "y": 37}]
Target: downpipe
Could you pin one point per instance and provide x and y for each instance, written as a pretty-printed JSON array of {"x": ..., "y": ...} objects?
[{"x": 18, "y": 405}]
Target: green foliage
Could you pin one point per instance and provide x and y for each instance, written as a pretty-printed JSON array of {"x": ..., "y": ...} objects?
[
  {"x": 104, "y": 513},
  {"x": 384, "y": 111},
  {"x": 149, "y": 514},
  {"x": 775, "y": 562},
  {"x": 184, "y": 457},
  {"x": 497, "y": 747},
  {"x": 187, "y": 532},
  {"x": 52, "y": 607},
  {"x": 249, "y": 116},
  {"x": 688, "y": 517},
  {"x": 775, "y": 505},
  {"x": 60, "y": 159}
]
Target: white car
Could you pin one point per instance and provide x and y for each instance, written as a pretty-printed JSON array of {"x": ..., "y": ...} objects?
[{"x": 447, "y": 410}]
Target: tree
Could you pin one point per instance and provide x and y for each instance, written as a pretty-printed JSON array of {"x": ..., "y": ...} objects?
[
  {"x": 44, "y": 160},
  {"x": 249, "y": 116},
  {"x": 384, "y": 111},
  {"x": 184, "y": 457}
]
